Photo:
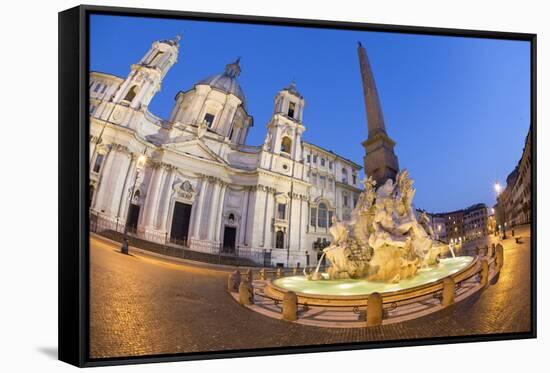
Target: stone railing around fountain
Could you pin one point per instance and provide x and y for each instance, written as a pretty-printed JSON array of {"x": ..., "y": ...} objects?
[{"x": 255, "y": 289}]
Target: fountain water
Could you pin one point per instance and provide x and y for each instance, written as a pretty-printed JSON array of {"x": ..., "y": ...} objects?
[{"x": 384, "y": 248}]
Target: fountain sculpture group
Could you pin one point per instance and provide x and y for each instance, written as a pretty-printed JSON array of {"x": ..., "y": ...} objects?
[{"x": 383, "y": 241}]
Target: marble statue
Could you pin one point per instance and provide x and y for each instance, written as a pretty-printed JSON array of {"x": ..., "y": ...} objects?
[
  {"x": 383, "y": 241},
  {"x": 202, "y": 128}
]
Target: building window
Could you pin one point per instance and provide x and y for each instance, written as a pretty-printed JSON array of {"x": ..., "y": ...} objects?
[
  {"x": 323, "y": 162},
  {"x": 345, "y": 199},
  {"x": 92, "y": 190},
  {"x": 323, "y": 215},
  {"x": 98, "y": 162},
  {"x": 330, "y": 165},
  {"x": 323, "y": 180},
  {"x": 104, "y": 88},
  {"x": 131, "y": 94},
  {"x": 156, "y": 58},
  {"x": 330, "y": 218},
  {"x": 314, "y": 179},
  {"x": 314, "y": 159},
  {"x": 291, "y": 109},
  {"x": 286, "y": 145},
  {"x": 280, "y": 240},
  {"x": 96, "y": 89},
  {"x": 344, "y": 175},
  {"x": 281, "y": 211},
  {"x": 313, "y": 217},
  {"x": 354, "y": 178},
  {"x": 308, "y": 158},
  {"x": 209, "y": 119}
]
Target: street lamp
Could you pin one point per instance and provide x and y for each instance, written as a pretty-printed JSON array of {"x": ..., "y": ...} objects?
[
  {"x": 140, "y": 163},
  {"x": 498, "y": 190}
]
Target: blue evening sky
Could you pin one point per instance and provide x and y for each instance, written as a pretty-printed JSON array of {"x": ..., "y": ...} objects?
[{"x": 458, "y": 108}]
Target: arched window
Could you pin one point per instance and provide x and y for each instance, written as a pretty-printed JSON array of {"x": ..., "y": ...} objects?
[
  {"x": 323, "y": 214},
  {"x": 313, "y": 216},
  {"x": 280, "y": 240},
  {"x": 131, "y": 94},
  {"x": 286, "y": 145}
]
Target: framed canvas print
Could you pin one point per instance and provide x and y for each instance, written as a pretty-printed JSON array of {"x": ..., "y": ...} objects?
[{"x": 238, "y": 186}]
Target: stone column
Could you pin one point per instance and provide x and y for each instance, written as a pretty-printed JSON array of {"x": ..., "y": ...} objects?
[
  {"x": 246, "y": 297},
  {"x": 484, "y": 274},
  {"x": 244, "y": 217},
  {"x": 374, "y": 310},
  {"x": 249, "y": 234},
  {"x": 213, "y": 213},
  {"x": 103, "y": 188},
  {"x": 269, "y": 215},
  {"x": 112, "y": 180},
  {"x": 128, "y": 183},
  {"x": 162, "y": 215},
  {"x": 160, "y": 195},
  {"x": 143, "y": 90},
  {"x": 197, "y": 107},
  {"x": 219, "y": 220},
  {"x": 290, "y": 306},
  {"x": 499, "y": 260},
  {"x": 152, "y": 196},
  {"x": 258, "y": 216},
  {"x": 199, "y": 207},
  {"x": 448, "y": 292}
]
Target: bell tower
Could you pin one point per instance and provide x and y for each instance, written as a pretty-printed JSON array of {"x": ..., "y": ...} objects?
[
  {"x": 145, "y": 77},
  {"x": 285, "y": 129}
]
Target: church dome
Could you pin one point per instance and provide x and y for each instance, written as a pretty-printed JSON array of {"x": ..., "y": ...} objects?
[{"x": 227, "y": 81}]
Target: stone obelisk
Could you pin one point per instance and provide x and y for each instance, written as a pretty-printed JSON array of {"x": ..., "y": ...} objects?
[{"x": 380, "y": 160}]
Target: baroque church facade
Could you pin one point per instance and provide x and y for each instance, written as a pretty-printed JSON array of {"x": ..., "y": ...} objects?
[{"x": 192, "y": 181}]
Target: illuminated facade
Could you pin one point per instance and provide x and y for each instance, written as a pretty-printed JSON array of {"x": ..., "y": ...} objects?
[{"x": 200, "y": 185}]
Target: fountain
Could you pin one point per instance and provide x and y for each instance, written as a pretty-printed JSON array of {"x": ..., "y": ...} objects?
[{"x": 384, "y": 248}]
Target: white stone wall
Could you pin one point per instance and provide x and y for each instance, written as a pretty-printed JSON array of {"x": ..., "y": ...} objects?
[{"x": 226, "y": 182}]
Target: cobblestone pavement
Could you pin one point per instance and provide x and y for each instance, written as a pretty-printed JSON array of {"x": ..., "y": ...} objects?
[{"x": 141, "y": 305}]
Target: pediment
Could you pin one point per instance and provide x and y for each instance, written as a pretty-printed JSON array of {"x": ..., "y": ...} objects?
[{"x": 197, "y": 149}]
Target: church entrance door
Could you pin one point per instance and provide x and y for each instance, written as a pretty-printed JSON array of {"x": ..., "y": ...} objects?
[
  {"x": 133, "y": 216},
  {"x": 180, "y": 223},
  {"x": 229, "y": 235}
]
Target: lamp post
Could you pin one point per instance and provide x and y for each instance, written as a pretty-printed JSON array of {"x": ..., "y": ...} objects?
[
  {"x": 498, "y": 190},
  {"x": 139, "y": 164}
]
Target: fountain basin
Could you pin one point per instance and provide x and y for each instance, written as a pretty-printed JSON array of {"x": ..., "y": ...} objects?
[{"x": 352, "y": 292}]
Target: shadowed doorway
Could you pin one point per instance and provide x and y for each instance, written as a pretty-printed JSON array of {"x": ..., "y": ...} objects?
[{"x": 180, "y": 223}]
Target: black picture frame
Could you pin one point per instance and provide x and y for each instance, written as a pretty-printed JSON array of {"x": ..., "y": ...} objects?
[{"x": 74, "y": 175}]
